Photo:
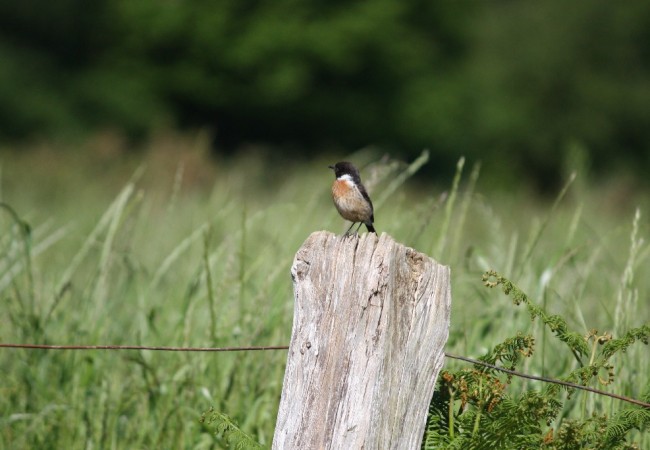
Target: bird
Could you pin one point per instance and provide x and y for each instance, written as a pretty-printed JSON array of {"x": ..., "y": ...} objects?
[{"x": 351, "y": 198}]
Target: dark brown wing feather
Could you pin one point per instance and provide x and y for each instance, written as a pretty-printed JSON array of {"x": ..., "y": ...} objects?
[{"x": 363, "y": 191}]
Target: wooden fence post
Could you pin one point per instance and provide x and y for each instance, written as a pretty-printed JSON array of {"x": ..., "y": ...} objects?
[{"x": 371, "y": 319}]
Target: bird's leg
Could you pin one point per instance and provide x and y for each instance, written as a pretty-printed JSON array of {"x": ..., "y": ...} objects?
[
  {"x": 347, "y": 233},
  {"x": 359, "y": 227}
]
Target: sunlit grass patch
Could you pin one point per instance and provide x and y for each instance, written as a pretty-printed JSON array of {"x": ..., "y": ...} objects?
[{"x": 171, "y": 247}]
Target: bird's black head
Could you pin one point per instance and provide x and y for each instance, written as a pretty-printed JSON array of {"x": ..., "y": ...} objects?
[{"x": 345, "y": 168}]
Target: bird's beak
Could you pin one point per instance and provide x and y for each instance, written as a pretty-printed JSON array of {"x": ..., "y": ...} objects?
[{"x": 331, "y": 167}]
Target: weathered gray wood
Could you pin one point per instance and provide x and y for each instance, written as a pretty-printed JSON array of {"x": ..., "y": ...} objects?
[{"x": 371, "y": 319}]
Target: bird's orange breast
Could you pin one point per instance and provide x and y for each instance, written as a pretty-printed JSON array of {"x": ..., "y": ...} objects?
[
  {"x": 340, "y": 188},
  {"x": 350, "y": 202}
]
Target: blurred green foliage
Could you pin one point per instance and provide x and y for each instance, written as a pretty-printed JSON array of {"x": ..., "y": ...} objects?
[{"x": 512, "y": 83}]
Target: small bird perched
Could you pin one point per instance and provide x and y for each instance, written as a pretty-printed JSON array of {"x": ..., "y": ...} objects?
[{"x": 351, "y": 198}]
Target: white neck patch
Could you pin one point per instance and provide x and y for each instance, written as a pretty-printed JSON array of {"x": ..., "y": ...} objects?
[{"x": 345, "y": 177}]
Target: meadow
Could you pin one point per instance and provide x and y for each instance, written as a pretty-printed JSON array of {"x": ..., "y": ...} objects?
[{"x": 171, "y": 247}]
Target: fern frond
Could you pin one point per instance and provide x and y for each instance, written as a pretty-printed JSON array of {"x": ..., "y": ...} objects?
[
  {"x": 228, "y": 430},
  {"x": 624, "y": 421},
  {"x": 621, "y": 345},
  {"x": 555, "y": 323},
  {"x": 510, "y": 351},
  {"x": 472, "y": 409}
]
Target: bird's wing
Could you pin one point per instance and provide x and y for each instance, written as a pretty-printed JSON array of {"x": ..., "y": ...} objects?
[{"x": 363, "y": 191}]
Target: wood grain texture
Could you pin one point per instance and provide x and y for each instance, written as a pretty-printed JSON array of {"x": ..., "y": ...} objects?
[{"x": 371, "y": 320}]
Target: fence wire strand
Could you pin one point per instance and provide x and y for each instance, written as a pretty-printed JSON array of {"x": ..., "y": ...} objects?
[{"x": 286, "y": 347}]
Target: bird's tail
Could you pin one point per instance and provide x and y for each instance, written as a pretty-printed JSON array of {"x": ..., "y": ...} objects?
[{"x": 371, "y": 229}]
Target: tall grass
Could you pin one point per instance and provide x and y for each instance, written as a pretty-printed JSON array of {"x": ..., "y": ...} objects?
[{"x": 172, "y": 249}]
